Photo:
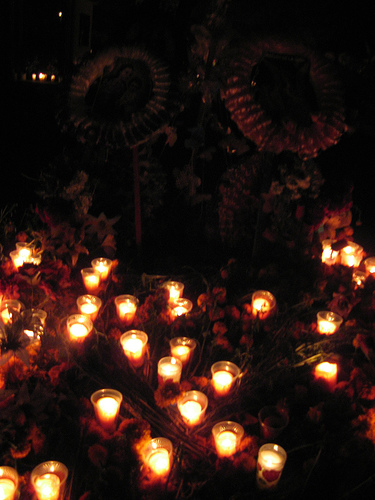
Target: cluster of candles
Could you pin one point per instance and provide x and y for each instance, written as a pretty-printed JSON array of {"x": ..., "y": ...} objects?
[
  {"x": 350, "y": 255},
  {"x": 25, "y": 253},
  {"x": 48, "y": 480}
]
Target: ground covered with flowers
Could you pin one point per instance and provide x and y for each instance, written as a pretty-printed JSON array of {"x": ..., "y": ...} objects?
[{"x": 46, "y": 383}]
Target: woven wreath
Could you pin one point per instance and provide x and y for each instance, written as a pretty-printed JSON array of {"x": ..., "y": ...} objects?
[
  {"x": 121, "y": 98},
  {"x": 284, "y": 97}
]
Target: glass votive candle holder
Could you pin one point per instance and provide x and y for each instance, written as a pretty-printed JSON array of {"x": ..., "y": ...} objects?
[
  {"x": 126, "y": 307},
  {"x": 175, "y": 289},
  {"x": 270, "y": 465},
  {"x": 134, "y": 344},
  {"x": 158, "y": 456},
  {"x": 25, "y": 251},
  {"x": 263, "y": 304},
  {"x": 351, "y": 255},
  {"x": 182, "y": 348},
  {"x": 192, "y": 407},
  {"x": 180, "y": 307},
  {"x": 91, "y": 279},
  {"x": 17, "y": 258},
  {"x": 103, "y": 266},
  {"x": 227, "y": 437},
  {"x": 49, "y": 479},
  {"x": 327, "y": 372},
  {"x": 106, "y": 403},
  {"x": 89, "y": 305},
  {"x": 169, "y": 370},
  {"x": 8, "y": 307},
  {"x": 328, "y": 322},
  {"x": 370, "y": 265},
  {"x": 273, "y": 421},
  {"x": 329, "y": 256},
  {"x": 224, "y": 376},
  {"x": 79, "y": 326},
  {"x": 8, "y": 483}
]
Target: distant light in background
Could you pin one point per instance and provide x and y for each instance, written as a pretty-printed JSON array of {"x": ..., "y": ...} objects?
[{"x": 60, "y": 14}]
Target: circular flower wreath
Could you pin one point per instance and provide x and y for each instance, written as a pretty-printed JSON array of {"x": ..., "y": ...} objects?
[
  {"x": 284, "y": 97},
  {"x": 121, "y": 98}
]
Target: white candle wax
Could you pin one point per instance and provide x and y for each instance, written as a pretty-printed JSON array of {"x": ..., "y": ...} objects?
[
  {"x": 47, "y": 487},
  {"x": 169, "y": 369},
  {"x": 7, "y": 489},
  {"x": 226, "y": 443},
  {"x": 159, "y": 462},
  {"x": 222, "y": 381},
  {"x": 107, "y": 411},
  {"x": 191, "y": 412},
  {"x": 78, "y": 331}
]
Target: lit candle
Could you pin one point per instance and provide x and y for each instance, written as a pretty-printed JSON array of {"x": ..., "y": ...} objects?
[
  {"x": 192, "y": 407},
  {"x": 370, "y": 265},
  {"x": 263, "y": 304},
  {"x": 25, "y": 251},
  {"x": 329, "y": 256},
  {"x": 8, "y": 307},
  {"x": 182, "y": 348},
  {"x": 224, "y": 375},
  {"x": 270, "y": 464},
  {"x": 103, "y": 266},
  {"x": 181, "y": 307},
  {"x": 48, "y": 480},
  {"x": 169, "y": 369},
  {"x": 328, "y": 372},
  {"x": 7, "y": 489},
  {"x": 227, "y": 437},
  {"x": 158, "y": 456},
  {"x": 351, "y": 255},
  {"x": 106, "y": 403},
  {"x": 8, "y": 482},
  {"x": 126, "y": 307},
  {"x": 91, "y": 279},
  {"x": 328, "y": 322},
  {"x": 17, "y": 259},
  {"x": 134, "y": 344},
  {"x": 42, "y": 77},
  {"x": 175, "y": 289},
  {"x": 47, "y": 487},
  {"x": 79, "y": 326},
  {"x": 89, "y": 305}
]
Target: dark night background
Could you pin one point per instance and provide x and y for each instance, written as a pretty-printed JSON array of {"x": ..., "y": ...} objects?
[{"x": 32, "y": 138}]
